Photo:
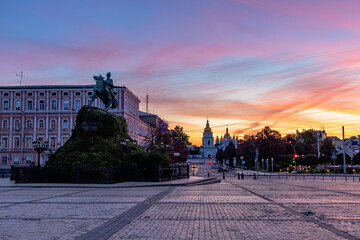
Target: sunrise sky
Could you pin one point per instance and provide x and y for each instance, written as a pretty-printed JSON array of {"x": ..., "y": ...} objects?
[{"x": 283, "y": 63}]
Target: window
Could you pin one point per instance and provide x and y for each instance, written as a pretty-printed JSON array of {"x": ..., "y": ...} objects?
[
  {"x": 4, "y": 142},
  {"x": 4, "y": 124},
  {"x": 77, "y": 104},
  {"x": 77, "y": 93},
  {"x": 53, "y": 94},
  {"x": 89, "y": 93},
  {"x": 17, "y": 105},
  {"x": 28, "y": 160},
  {"x": 42, "y": 105},
  {"x": 89, "y": 101},
  {"x": 6, "y": 94},
  {"x": 52, "y": 142},
  {"x": 29, "y": 105},
  {"x": 16, "y": 160},
  {"x": 3, "y": 160},
  {"x": 28, "y": 124},
  {"x": 53, "y": 124},
  {"x": 29, "y": 93},
  {"x": 65, "y": 123},
  {"x": 41, "y": 124},
  {"x": 17, "y": 94},
  {"x": 66, "y": 93},
  {"x": 53, "y": 104},
  {"x": 6, "y": 105},
  {"x": 28, "y": 142},
  {"x": 41, "y": 94},
  {"x": 208, "y": 142},
  {"x": 17, "y": 124},
  {"x": 16, "y": 142},
  {"x": 66, "y": 105}
]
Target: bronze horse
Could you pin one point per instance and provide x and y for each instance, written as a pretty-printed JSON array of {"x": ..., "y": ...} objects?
[{"x": 104, "y": 93}]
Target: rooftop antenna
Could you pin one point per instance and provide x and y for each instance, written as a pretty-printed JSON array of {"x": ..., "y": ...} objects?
[
  {"x": 21, "y": 76},
  {"x": 147, "y": 100}
]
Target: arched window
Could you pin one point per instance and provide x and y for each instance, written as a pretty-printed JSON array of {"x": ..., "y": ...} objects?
[
  {"x": 28, "y": 124},
  {"x": 208, "y": 142},
  {"x": 4, "y": 124},
  {"x": 53, "y": 124}
]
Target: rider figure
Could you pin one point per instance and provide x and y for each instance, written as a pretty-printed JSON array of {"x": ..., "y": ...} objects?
[{"x": 109, "y": 87}]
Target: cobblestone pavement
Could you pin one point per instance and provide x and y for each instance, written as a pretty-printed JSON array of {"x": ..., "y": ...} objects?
[{"x": 233, "y": 209}]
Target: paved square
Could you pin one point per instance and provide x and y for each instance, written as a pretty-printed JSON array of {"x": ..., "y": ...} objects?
[{"x": 233, "y": 209}]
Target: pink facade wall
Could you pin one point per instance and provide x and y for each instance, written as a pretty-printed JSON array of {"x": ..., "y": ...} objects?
[{"x": 49, "y": 113}]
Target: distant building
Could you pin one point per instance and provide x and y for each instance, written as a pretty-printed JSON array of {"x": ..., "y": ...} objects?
[
  {"x": 322, "y": 134},
  {"x": 48, "y": 113},
  {"x": 223, "y": 142},
  {"x": 208, "y": 148}
]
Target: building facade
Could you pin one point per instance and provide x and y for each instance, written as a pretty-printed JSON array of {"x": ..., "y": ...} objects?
[
  {"x": 208, "y": 148},
  {"x": 28, "y": 113}
]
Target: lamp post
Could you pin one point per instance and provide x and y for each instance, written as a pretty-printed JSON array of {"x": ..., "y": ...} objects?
[
  {"x": 256, "y": 160},
  {"x": 40, "y": 146}
]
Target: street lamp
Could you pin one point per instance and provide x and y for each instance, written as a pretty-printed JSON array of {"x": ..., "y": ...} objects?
[{"x": 40, "y": 146}]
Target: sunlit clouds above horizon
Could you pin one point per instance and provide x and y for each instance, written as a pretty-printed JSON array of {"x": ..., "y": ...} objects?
[{"x": 247, "y": 63}]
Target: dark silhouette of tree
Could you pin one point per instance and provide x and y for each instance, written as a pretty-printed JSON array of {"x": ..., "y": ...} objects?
[
  {"x": 230, "y": 153},
  {"x": 340, "y": 159},
  {"x": 356, "y": 159},
  {"x": 326, "y": 147},
  {"x": 269, "y": 143},
  {"x": 220, "y": 155},
  {"x": 309, "y": 160},
  {"x": 306, "y": 142}
]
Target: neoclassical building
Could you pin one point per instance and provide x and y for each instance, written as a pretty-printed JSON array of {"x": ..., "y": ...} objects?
[
  {"x": 48, "y": 113},
  {"x": 208, "y": 148}
]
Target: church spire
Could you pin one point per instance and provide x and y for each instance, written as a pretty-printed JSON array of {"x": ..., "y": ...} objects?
[
  {"x": 207, "y": 129},
  {"x": 227, "y": 132}
]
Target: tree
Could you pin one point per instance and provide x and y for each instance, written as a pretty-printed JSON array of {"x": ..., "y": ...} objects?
[
  {"x": 340, "y": 159},
  {"x": 179, "y": 134},
  {"x": 180, "y": 140},
  {"x": 230, "y": 153},
  {"x": 309, "y": 160},
  {"x": 220, "y": 155},
  {"x": 356, "y": 159},
  {"x": 159, "y": 136},
  {"x": 306, "y": 142},
  {"x": 270, "y": 143},
  {"x": 326, "y": 147}
]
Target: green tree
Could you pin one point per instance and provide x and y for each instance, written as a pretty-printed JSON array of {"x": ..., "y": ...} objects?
[{"x": 180, "y": 140}]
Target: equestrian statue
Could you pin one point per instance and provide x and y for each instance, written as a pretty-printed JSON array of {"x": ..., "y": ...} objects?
[{"x": 104, "y": 91}]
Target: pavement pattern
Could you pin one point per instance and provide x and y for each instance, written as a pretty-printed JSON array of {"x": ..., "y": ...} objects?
[{"x": 232, "y": 209}]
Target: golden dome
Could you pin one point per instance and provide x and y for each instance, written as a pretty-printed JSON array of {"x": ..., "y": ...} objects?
[{"x": 207, "y": 129}]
